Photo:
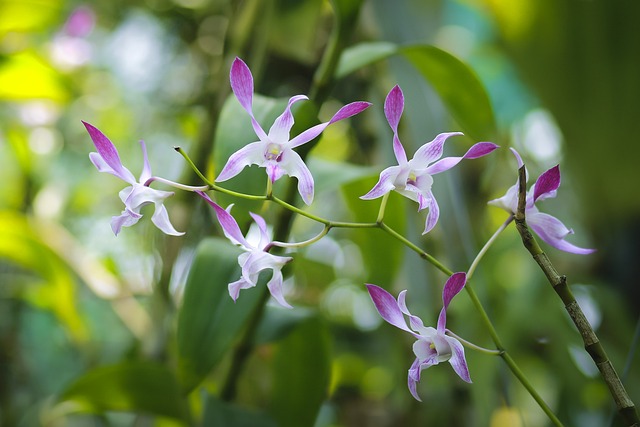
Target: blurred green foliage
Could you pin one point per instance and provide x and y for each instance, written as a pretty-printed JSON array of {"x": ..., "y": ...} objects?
[{"x": 139, "y": 330}]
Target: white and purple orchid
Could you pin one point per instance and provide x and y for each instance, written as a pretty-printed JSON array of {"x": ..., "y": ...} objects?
[
  {"x": 549, "y": 228},
  {"x": 413, "y": 178},
  {"x": 138, "y": 193},
  {"x": 433, "y": 346},
  {"x": 274, "y": 150},
  {"x": 255, "y": 258}
]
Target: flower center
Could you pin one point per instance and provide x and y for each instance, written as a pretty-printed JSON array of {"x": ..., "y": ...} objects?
[
  {"x": 411, "y": 179},
  {"x": 273, "y": 152}
]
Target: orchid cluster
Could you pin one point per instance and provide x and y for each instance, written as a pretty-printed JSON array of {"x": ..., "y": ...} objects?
[{"x": 274, "y": 151}]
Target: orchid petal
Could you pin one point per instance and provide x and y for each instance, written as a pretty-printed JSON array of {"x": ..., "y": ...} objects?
[
  {"x": 433, "y": 215},
  {"x": 242, "y": 83},
  {"x": 146, "y": 167},
  {"x": 280, "y": 129},
  {"x": 452, "y": 287},
  {"x": 275, "y": 287},
  {"x": 242, "y": 87},
  {"x": 274, "y": 171},
  {"x": 424, "y": 350},
  {"x": 227, "y": 222},
  {"x": 414, "y": 321},
  {"x": 249, "y": 154},
  {"x": 237, "y": 286},
  {"x": 477, "y": 150},
  {"x": 412, "y": 381},
  {"x": 553, "y": 231},
  {"x": 385, "y": 184},
  {"x": 293, "y": 164},
  {"x": 126, "y": 219},
  {"x": 398, "y": 150},
  {"x": 349, "y": 110},
  {"x": 387, "y": 306},
  {"x": 345, "y": 112},
  {"x": 508, "y": 202},
  {"x": 431, "y": 151},
  {"x": 141, "y": 195},
  {"x": 161, "y": 220},
  {"x": 109, "y": 154},
  {"x": 393, "y": 106},
  {"x": 262, "y": 227},
  {"x": 458, "y": 361},
  {"x": 547, "y": 184}
]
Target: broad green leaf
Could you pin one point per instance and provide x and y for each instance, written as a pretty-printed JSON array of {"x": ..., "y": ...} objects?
[
  {"x": 54, "y": 286},
  {"x": 329, "y": 176},
  {"x": 144, "y": 387},
  {"x": 381, "y": 253},
  {"x": 363, "y": 54},
  {"x": 455, "y": 82},
  {"x": 209, "y": 321},
  {"x": 346, "y": 11},
  {"x": 277, "y": 322},
  {"x": 219, "y": 413},
  {"x": 300, "y": 17},
  {"x": 459, "y": 88},
  {"x": 302, "y": 371}
]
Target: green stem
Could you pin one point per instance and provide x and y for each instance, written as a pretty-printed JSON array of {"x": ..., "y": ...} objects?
[
  {"x": 486, "y": 247},
  {"x": 592, "y": 345},
  {"x": 473, "y": 346}
]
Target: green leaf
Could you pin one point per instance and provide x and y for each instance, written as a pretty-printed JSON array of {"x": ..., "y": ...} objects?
[
  {"x": 363, "y": 54},
  {"x": 302, "y": 371},
  {"x": 277, "y": 322},
  {"x": 459, "y": 88},
  {"x": 54, "y": 285},
  {"x": 456, "y": 83},
  {"x": 209, "y": 320},
  {"x": 219, "y": 413},
  {"x": 329, "y": 175},
  {"x": 381, "y": 253},
  {"x": 131, "y": 387}
]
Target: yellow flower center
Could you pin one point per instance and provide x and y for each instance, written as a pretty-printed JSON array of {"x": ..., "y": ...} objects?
[{"x": 273, "y": 152}]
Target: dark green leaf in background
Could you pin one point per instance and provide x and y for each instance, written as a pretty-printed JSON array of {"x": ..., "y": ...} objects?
[
  {"x": 301, "y": 372},
  {"x": 455, "y": 82},
  {"x": 209, "y": 320},
  {"x": 224, "y": 414},
  {"x": 144, "y": 387},
  {"x": 381, "y": 253}
]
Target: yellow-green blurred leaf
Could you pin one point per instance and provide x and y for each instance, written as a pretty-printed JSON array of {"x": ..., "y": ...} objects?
[
  {"x": 24, "y": 76},
  {"x": 55, "y": 287},
  {"x": 27, "y": 15},
  {"x": 131, "y": 386}
]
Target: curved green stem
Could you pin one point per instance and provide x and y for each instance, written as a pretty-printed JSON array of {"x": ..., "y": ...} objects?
[
  {"x": 486, "y": 247},
  {"x": 383, "y": 207},
  {"x": 473, "y": 346}
]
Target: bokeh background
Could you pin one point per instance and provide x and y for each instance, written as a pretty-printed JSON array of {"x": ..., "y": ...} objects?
[{"x": 563, "y": 80}]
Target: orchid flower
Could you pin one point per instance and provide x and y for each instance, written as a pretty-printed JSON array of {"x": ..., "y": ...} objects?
[
  {"x": 413, "y": 178},
  {"x": 549, "y": 228},
  {"x": 433, "y": 346},
  {"x": 255, "y": 258},
  {"x": 138, "y": 193},
  {"x": 274, "y": 150}
]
